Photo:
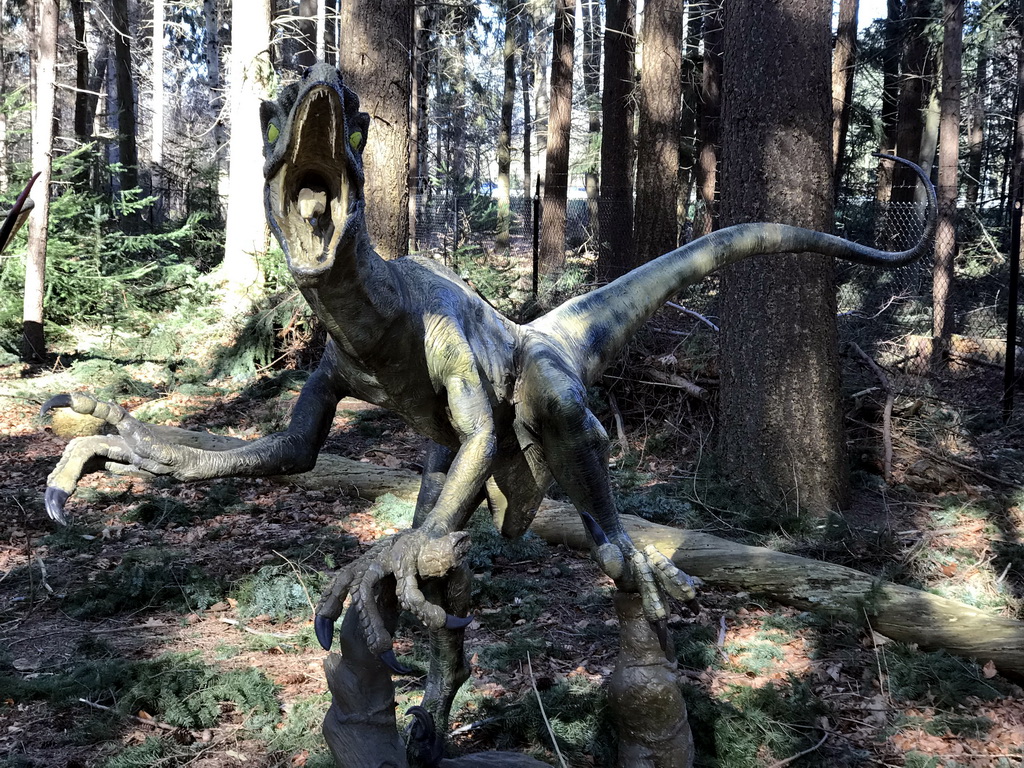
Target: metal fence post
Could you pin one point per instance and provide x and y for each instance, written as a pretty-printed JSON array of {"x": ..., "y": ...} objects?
[
  {"x": 1009, "y": 372},
  {"x": 536, "y": 236}
]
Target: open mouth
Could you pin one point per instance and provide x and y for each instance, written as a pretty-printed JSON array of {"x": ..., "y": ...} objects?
[{"x": 312, "y": 195}]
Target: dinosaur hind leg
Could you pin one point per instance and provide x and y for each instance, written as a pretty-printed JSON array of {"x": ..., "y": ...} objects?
[{"x": 448, "y": 668}]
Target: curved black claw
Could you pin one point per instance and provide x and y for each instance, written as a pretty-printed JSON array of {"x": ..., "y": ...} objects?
[
  {"x": 456, "y": 622},
  {"x": 324, "y": 628},
  {"x": 391, "y": 662},
  {"x": 596, "y": 531},
  {"x": 57, "y": 401},
  {"x": 425, "y": 746},
  {"x": 55, "y": 500},
  {"x": 660, "y": 628}
]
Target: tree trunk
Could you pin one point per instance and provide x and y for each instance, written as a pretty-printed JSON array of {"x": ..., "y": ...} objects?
[
  {"x": 592, "y": 92},
  {"x": 83, "y": 118},
  {"x": 655, "y": 228},
  {"x": 524, "y": 28},
  {"x": 419, "y": 127},
  {"x": 975, "y": 182},
  {"x": 896, "y": 611},
  {"x": 305, "y": 54},
  {"x": 780, "y": 419},
  {"x": 156, "y": 152},
  {"x": 33, "y": 343},
  {"x": 127, "y": 142},
  {"x": 916, "y": 82},
  {"x": 690, "y": 77},
  {"x": 616, "y": 201},
  {"x": 844, "y": 61},
  {"x": 376, "y": 62},
  {"x": 949, "y": 155},
  {"x": 890, "y": 101},
  {"x": 213, "y": 80},
  {"x": 556, "y": 173},
  {"x": 504, "y": 150},
  {"x": 246, "y": 234},
  {"x": 709, "y": 133}
]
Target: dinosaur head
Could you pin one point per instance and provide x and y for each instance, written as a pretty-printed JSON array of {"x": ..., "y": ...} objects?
[{"x": 313, "y": 138}]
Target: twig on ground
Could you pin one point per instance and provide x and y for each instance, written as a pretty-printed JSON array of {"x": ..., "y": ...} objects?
[
  {"x": 543, "y": 714},
  {"x": 241, "y": 626},
  {"x": 791, "y": 758},
  {"x": 133, "y": 718},
  {"x": 691, "y": 313},
  {"x": 302, "y": 582},
  {"x": 620, "y": 426}
]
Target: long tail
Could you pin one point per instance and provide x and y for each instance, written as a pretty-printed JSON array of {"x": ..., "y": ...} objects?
[{"x": 594, "y": 328}]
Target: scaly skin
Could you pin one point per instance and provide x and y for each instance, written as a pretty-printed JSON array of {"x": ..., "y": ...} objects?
[{"x": 504, "y": 404}]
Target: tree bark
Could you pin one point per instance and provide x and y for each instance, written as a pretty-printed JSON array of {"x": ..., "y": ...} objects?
[
  {"x": 844, "y": 62},
  {"x": 33, "y": 346},
  {"x": 556, "y": 173},
  {"x": 213, "y": 81},
  {"x": 419, "y": 127},
  {"x": 616, "y": 199},
  {"x": 526, "y": 67},
  {"x": 375, "y": 59},
  {"x": 916, "y": 83},
  {"x": 709, "y": 134},
  {"x": 246, "y": 236},
  {"x": 780, "y": 420},
  {"x": 655, "y": 229},
  {"x": 690, "y": 77},
  {"x": 949, "y": 155}
]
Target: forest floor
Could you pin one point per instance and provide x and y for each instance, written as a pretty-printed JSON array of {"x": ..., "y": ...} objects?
[{"x": 170, "y": 624}]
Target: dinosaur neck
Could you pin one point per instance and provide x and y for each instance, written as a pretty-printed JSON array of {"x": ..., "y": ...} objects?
[{"x": 359, "y": 298}]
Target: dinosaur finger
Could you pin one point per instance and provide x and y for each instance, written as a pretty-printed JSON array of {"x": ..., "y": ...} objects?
[
  {"x": 323, "y": 626},
  {"x": 77, "y": 455},
  {"x": 364, "y": 602},
  {"x": 646, "y": 584},
  {"x": 672, "y": 579},
  {"x": 661, "y": 630},
  {"x": 55, "y": 499}
]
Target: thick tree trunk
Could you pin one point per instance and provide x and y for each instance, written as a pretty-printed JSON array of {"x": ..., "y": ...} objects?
[
  {"x": 709, "y": 136},
  {"x": 213, "y": 80},
  {"x": 375, "y": 59},
  {"x": 419, "y": 128},
  {"x": 896, "y": 611},
  {"x": 949, "y": 154},
  {"x": 844, "y": 60},
  {"x": 556, "y": 172},
  {"x": 780, "y": 419},
  {"x": 33, "y": 346},
  {"x": 657, "y": 166},
  {"x": 616, "y": 199},
  {"x": 916, "y": 83}
]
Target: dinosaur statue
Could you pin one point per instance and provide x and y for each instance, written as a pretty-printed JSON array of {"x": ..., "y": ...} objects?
[
  {"x": 503, "y": 404},
  {"x": 16, "y": 217}
]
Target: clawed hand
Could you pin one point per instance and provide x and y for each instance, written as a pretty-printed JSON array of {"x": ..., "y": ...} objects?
[{"x": 407, "y": 556}]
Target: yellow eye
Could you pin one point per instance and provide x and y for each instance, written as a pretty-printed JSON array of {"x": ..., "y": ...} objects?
[
  {"x": 355, "y": 139},
  {"x": 272, "y": 133}
]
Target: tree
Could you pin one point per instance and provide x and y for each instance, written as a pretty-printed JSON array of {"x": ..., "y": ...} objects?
[
  {"x": 844, "y": 59},
  {"x": 505, "y": 130},
  {"x": 890, "y": 97},
  {"x": 213, "y": 81},
  {"x": 655, "y": 229},
  {"x": 45, "y": 78},
  {"x": 780, "y": 421},
  {"x": 616, "y": 200},
  {"x": 691, "y": 96},
  {"x": 556, "y": 175},
  {"x": 375, "y": 58},
  {"x": 246, "y": 235},
  {"x": 127, "y": 143},
  {"x": 156, "y": 153},
  {"x": 976, "y": 132},
  {"x": 917, "y": 75},
  {"x": 949, "y": 155},
  {"x": 708, "y": 136},
  {"x": 592, "y": 94}
]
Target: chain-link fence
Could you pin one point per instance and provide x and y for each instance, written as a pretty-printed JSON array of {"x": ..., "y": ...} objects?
[{"x": 886, "y": 313}]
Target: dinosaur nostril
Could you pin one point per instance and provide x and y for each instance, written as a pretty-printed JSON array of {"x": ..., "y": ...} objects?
[{"x": 306, "y": 72}]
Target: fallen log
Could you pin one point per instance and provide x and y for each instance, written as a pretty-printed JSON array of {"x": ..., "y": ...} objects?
[{"x": 898, "y": 612}]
